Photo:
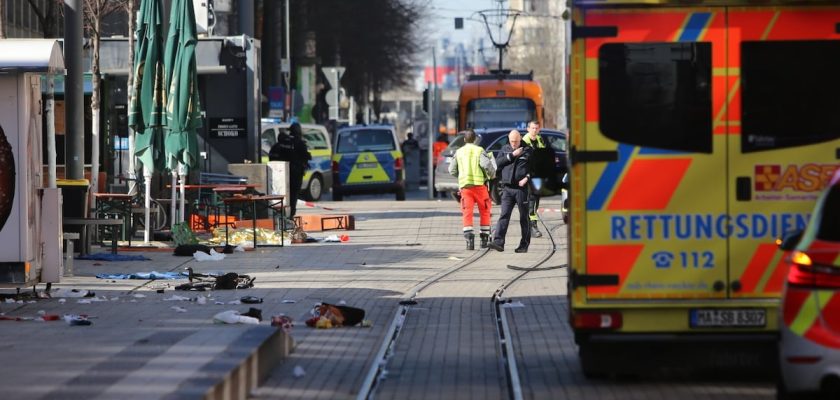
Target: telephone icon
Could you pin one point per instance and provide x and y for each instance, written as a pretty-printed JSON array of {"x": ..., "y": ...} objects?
[{"x": 663, "y": 259}]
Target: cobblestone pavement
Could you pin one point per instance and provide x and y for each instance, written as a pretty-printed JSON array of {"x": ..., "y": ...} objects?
[{"x": 447, "y": 348}]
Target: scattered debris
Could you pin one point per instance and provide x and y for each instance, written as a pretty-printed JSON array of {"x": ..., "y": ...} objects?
[
  {"x": 233, "y": 317},
  {"x": 514, "y": 304},
  {"x": 253, "y": 313},
  {"x": 251, "y": 300},
  {"x": 139, "y": 295},
  {"x": 153, "y": 275},
  {"x": 284, "y": 322},
  {"x": 330, "y": 316},
  {"x": 179, "y": 309},
  {"x": 213, "y": 256},
  {"x": 298, "y": 372},
  {"x": 77, "y": 320},
  {"x": 188, "y": 250},
  {"x": 176, "y": 298},
  {"x": 60, "y": 292},
  {"x": 202, "y": 282},
  {"x": 289, "y": 301}
]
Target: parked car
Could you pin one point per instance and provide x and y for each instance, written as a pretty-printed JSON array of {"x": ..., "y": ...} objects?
[
  {"x": 319, "y": 176},
  {"x": 810, "y": 317},
  {"x": 493, "y": 140},
  {"x": 367, "y": 159}
]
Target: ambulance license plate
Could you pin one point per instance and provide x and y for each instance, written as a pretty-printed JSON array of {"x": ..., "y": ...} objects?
[
  {"x": 367, "y": 165},
  {"x": 729, "y": 317}
]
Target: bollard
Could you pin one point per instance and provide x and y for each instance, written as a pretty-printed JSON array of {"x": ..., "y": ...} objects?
[{"x": 68, "y": 252}]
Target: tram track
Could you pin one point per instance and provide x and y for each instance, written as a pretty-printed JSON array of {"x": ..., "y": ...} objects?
[
  {"x": 502, "y": 325},
  {"x": 378, "y": 371}
]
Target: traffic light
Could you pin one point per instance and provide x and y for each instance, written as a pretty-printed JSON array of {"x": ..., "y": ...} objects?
[{"x": 426, "y": 100}]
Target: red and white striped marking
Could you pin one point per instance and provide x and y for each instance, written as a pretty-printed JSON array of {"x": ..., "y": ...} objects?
[{"x": 312, "y": 205}]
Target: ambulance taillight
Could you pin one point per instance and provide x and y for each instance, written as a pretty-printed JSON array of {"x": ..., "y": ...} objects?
[{"x": 597, "y": 320}]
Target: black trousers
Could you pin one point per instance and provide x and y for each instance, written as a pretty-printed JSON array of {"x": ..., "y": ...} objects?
[
  {"x": 533, "y": 205},
  {"x": 514, "y": 197},
  {"x": 295, "y": 182}
]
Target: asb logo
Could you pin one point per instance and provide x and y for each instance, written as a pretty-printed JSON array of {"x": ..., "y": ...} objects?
[{"x": 800, "y": 178}]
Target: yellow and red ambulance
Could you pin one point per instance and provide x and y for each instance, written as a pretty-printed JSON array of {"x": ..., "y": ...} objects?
[{"x": 699, "y": 132}]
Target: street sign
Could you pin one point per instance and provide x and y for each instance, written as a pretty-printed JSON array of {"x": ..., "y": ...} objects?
[{"x": 333, "y": 75}]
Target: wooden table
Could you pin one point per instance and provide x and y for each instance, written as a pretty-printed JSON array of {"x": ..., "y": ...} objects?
[
  {"x": 85, "y": 237},
  {"x": 268, "y": 199},
  {"x": 116, "y": 203}
]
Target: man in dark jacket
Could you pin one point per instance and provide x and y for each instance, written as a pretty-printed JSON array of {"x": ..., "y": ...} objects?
[
  {"x": 512, "y": 167},
  {"x": 293, "y": 149}
]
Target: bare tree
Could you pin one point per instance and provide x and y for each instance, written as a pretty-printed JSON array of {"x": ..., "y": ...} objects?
[
  {"x": 377, "y": 45},
  {"x": 2, "y": 19},
  {"x": 95, "y": 12},
  {"x": 49, "y": 17},
  {"x": 542, "y": 51}
]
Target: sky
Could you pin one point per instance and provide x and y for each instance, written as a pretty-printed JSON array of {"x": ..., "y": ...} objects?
[{"x": 442, "y": 17}]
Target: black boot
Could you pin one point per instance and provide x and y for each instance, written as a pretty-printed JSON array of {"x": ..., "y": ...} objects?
[
  {"x": 470, "y": 237},
  {"x": 535, "y": 231},
  {"x": 485, "y": 237}
]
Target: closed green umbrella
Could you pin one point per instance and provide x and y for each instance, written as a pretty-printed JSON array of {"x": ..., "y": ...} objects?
[
  {"x": 182, "y": 113},
  {"x": 145, "y": 114}
]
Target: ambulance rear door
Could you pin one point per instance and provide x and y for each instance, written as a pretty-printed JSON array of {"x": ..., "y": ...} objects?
[
  {"x": 654, "y": 165},
  {"x": 784, "y": 133}
]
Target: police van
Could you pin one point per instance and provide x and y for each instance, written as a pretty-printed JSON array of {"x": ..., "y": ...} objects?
[
  {"x": 367, "y": 159},
  {"x": 699, "y": 132}
]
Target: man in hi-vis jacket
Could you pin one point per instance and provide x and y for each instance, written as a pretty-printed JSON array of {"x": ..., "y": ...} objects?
[{"x": 474, "y": 168}]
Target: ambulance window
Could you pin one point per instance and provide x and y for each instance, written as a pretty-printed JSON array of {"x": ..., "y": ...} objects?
[
  {"x": 657, "y": 94},
  {"x": 829, "y": 229},
  {"x": 789, "y": 100}
]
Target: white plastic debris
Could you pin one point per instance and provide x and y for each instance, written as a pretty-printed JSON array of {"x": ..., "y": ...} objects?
[
  {"x": 10, "y": 301},
  {"x": 175, "y": 297},
  {"x": 83, "y": 301},
  {"x": 42, "y": 312},
  {"x": 342, "y": 302},
  {"x": 219, "y": 303},
  {"x": 213, "y": 256},
  {"x": 332, "y": 239},
  {"x": 62, "y": 301},
  {"x": 239, "y": 248},
  {"x": 234, "y": 302},
  {"x": 298, "y": 372},
  {"x": 179, "y": 309},
  {"x": 289, "y": 302},
  {"x": 233, "y": 317},
  {"x": 201, "y": 300},
  {"x": 453, "y": 258},
  {"x": 139, "y": 296}
]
